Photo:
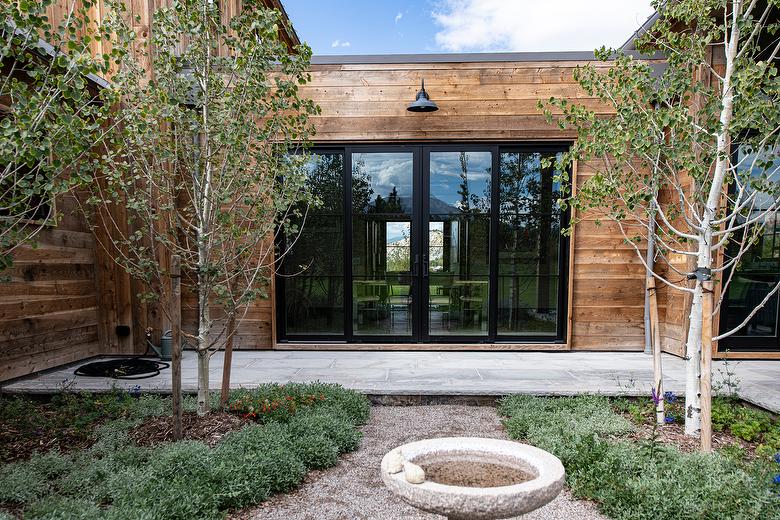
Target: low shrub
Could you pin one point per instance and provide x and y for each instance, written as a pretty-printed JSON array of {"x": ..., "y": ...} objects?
[
  {"x": 118, "y": 480},
  {"x": 630, "y": 481},
  {"x": 273, "y": 402},
  {"x": 316, "y": 450},
  {"x": 746, "y": 423},
  {"x": 64, "y": 509}
]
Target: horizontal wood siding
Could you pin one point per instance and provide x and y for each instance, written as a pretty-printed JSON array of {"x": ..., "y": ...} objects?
[
  {"x": 49, "y": 300},
  {"x": 492, "y": 102}
]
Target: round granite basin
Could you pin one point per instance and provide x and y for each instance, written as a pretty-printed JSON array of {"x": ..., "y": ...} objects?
[{"x": 475, "y": 478}]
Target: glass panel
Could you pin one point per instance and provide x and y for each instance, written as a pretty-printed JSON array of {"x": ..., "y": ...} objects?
[
  {"x": 459, "y": 243},
  {"x": 521, "y": 300},
  {"x": 314, "y": 305},
  {"x": 528, "y": 246},
  {"x": 759, "y": 270},
  {"x": 381, "y": 243},
  {"x": 314, "y": 286}
]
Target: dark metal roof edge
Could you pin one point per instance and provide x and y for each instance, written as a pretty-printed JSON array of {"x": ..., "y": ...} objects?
[
  {"x": 48, "y": 49},
  {"x": 475, "y": 57},
  {"x": 629, "y": 44}
]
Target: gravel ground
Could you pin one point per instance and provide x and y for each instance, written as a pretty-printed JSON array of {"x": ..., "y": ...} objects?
[{"x": 353, "y": 490}]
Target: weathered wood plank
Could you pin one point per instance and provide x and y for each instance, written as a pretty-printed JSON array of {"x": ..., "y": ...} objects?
[
  {"x": 62, "y": 321},
  {"x": 29, "y": 307}
]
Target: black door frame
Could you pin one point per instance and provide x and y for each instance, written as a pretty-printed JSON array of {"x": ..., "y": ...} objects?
[{"x": 419, "y": 246}]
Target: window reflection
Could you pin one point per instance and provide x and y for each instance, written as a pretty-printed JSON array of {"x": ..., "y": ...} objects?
[
  {"x": 382, "y": 201},
  {"x": 528, "y": 246},
  {"x": 759, "y": 270},
  {"x": 314, "y": 286},
  {"x": 459, "y": 242}
]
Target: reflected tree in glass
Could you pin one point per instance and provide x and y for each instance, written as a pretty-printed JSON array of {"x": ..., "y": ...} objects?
[
  {"x": 528, "y": 242},
  {"x": 314, "y": 287}
]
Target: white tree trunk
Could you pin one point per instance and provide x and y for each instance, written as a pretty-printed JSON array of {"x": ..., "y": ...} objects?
[
  {"x": 693, "y": 366},
  {"x": 704, "y": 260}
]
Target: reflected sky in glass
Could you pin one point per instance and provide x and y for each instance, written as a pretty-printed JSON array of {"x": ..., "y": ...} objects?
[
  {"x": 451, "y": 172},
  {"x": 397, "y": 231},
  {"x": 754, "y": 161},
  {"x": 383, "y": 172}
]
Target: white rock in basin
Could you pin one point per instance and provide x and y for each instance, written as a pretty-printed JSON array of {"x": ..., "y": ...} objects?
[
  {"x": 395, "y": 461},
  {"x": 413, "y": 473}
]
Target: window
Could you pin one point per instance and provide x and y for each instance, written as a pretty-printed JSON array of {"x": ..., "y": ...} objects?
[
  {"x": 313, "y": 270},
  {"x": 439, "y": 243},
  {"x": 759, "y": 270},
  {"x": 528, "y": 246}
]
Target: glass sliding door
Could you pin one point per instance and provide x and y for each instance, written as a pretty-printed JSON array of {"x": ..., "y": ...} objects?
[
  {"x": 528, "y": 246},
  {"x": 313, "y": 269},
  {"x": 436, "y": 243},
  {"x": 382, "y": 189},
  {"x": 456, "y": 263}
]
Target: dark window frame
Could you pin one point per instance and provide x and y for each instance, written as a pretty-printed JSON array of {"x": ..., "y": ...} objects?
[{"x": 420, "y": 330}]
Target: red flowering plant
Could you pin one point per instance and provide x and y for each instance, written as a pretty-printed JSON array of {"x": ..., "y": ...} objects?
[{"x": 273, "y": 402}]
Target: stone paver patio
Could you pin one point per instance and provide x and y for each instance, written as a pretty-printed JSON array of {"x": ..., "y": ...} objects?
[{"x": 438, "y": 374}]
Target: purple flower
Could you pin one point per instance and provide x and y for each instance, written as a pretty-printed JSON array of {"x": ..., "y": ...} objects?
[
  {"x": 670, "y": 397},
  {"x": 135, "y": 391},
  {"x": 777, "y": 458},
  {"x": 656, "y": 398},
  {"x": 669, "y": 419},
  {"x": 776, "y": 480}
]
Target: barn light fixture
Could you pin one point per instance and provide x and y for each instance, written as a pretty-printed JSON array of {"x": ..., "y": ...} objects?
[{"x": 423, "y": 103}]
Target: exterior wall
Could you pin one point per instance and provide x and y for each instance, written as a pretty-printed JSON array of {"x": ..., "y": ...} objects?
[
  {"x": 608, "y": 283},
  {"x": 48, "y": 306},
  {"x": 63, "y": 300},
  {"x": 492, "y": 101}
]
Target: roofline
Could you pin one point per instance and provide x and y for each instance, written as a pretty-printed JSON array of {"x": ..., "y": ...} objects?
[
  {"x": 473, "y": 57},
  {"x": 44, "y": 48},
  {"x": 49, "y": 49},
  {"x": 289, "y": 28},
  {"x": 629, "y": 44}
]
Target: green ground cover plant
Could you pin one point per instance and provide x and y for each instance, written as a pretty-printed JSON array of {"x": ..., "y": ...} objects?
[
  {"x": 729, "y": 415},
  {"x": 641, "y": 479},
  {"x": 116, "y": 479}
]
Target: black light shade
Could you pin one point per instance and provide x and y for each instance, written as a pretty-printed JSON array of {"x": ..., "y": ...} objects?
[{"x": 423, "y": 103}]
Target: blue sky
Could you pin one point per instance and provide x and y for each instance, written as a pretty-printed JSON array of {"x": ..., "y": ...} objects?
[{"x": 401, "y": 26}]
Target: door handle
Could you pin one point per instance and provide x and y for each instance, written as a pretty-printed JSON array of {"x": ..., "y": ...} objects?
[
  {"x": 425, "y": 266},
  {"x": 415, "y": 265}
]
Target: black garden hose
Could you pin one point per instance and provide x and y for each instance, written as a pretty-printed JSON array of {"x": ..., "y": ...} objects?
[{"x": 127, "y": 368}]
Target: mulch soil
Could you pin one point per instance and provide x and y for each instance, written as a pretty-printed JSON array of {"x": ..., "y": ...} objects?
[
  {"x": 19, "y": 444},
  {"x": 674, "y": 434},
  {"x": 210, "y": 428}
]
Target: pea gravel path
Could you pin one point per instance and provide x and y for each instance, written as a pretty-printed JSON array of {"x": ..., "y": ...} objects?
[{"x": 353, "y": 490}]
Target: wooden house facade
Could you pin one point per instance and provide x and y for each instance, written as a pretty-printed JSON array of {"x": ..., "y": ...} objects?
[{"x": 438, "y": 230}]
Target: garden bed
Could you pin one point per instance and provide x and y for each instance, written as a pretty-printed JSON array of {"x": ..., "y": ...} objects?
[
  {"x": 64, "y": 422},
  {"x": 612, "y": 460},
  {"x": 739, "y": 430},
  {"x": 129, "y": 467},
  {"x": 209, "y": 428}
]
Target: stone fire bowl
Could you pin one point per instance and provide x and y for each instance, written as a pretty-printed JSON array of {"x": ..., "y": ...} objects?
[{"x": 474, "y": 503}]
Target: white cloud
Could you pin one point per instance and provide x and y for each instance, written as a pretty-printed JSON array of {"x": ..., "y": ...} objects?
[
  {"x": 339, "y": 43},
  {"x": 399, "y": 16},
  {"x": 533, "y": 25}
]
